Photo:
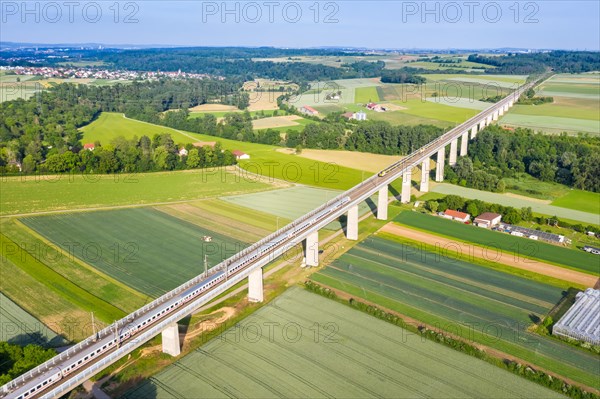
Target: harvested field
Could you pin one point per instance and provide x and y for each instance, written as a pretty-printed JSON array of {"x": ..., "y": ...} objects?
[
  {"x": 276, "y": 121},
  {"x": 352, "y": 159},
  {"x": 213, "y": 107}
]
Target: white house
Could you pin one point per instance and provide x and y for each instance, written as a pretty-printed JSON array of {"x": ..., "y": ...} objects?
[
  {"x": 488, "y": 219},
  {"x": 240, "y": 154}
]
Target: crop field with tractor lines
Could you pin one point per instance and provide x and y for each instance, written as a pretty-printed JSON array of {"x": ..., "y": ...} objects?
[
  {"x": 318, "y": 348},
  {"x": 479, "y": 304}
]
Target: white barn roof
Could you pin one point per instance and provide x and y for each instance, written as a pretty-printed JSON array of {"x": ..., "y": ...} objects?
[{"x": 582, "y": 320}]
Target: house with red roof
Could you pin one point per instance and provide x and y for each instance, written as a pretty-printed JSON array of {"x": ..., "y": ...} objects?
[
  {"x": 240, "y": 154},
  {"x": 456, "y": 215},
  {"x": 305, "y": 109},
  {"x": 89, "y": 146}
]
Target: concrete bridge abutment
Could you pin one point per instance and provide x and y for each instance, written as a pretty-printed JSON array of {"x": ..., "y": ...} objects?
[
  {"x": 439, "y": 166},
  {"x": 425, "y": 176},
  {"x": 170, "y": 340},
  {"x": 352, "y": 223},
  {"x": 382, "y": 203},
  {"x": 406, "y": 186},
  {"x": 255, "y": 286},
  {"x": 311, "y": 249}
]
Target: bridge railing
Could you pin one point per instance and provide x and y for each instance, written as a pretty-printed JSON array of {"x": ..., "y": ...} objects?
[{"x": 117, "y": 326}]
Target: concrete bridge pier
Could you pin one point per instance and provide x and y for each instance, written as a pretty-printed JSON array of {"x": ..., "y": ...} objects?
[
  {"x": 474, "y": 131},
  {"x": 425, "y": 176},
  {"x": 495, "y": 115},
  {"x": 505, "y": 107},
  {"x": 382, "y": 203},
  {"x": 170, "y": 340},
  {"x": 406, "y": 186},
  {"x": 439, "y": 167},
  {"x": 255, "y": 286},
  {"x": 510, "y": 103},
  {"x": 311, "y": 249},
  {"x": 501, "y": 111},
  {"x": 453, "y": 146},
  {"x": 464, "y": 142},
  {"x": 488, "y": 120},
  {"x": 352, "y": 223}
]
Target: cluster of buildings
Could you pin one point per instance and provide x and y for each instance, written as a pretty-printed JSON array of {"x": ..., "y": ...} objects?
[
  {"x": 236, "y": 153},
  {"x": 376, "y": 107},
  {"x": 95, "y": 73},
  {"x": 493, "y": 221},
  {"x": 358, "y": 116}
]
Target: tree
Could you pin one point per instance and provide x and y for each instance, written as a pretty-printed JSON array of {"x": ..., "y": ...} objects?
[
  {"x": 193, "y": 159},
  {"x": 512, "y": 216},
  {"x": 472, "y": 209},
  {"x": 432, "y": 206}
]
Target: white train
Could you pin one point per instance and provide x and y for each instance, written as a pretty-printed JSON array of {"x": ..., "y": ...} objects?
[{"x": 114, "y": 340}]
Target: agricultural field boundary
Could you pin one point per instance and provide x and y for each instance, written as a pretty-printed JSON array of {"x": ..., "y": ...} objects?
[{"x": 543, "y": 272}]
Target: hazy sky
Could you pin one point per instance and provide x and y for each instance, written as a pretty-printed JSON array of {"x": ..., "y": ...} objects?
[{"x": 374, "y": 24}]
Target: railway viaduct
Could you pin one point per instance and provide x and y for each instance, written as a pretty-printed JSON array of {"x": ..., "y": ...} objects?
[{"x": 303, "y": 231}]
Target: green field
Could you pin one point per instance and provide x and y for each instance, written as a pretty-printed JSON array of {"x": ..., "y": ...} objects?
[
  {"x": 291, "y": 203},
  {"x": 19, "y": 327},
  {"x": 552, "y": 124},
  {"x": 571, "y": 258},
  {"x": 477, "y": 303},
  {"x": 366, "y": 94},
  {"x": 265, "y": 159},
  {"x": 319, "y": 348},
  {"x": 536, "y": 206},
  {"x": 143, "y": 248},
  {"x": 221, "y": 114},
  {"x": 68, "y": 192},
  {"x": 110, "y": 125},
  {"x": 439, "y": 111},
  {"x": 580, "y": 200}
]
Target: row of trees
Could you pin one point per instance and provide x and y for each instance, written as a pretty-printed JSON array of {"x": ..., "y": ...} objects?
[
  {"x": 536, "y": 63},
  {"x": 239, "y": 63},
  {"x": 475, "y": 207},
  {"x": 16, "y": 360},
  {"x": 129, "y": 156},
  {"x": 569, "y": 160},
  {"x": 33, "y": 130}
]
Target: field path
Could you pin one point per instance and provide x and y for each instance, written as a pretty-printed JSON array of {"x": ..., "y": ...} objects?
[{"x": 509, "y": 259}]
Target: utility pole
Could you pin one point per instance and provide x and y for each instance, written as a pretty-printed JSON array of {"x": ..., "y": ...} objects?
[{"x": 205, "y": 265}]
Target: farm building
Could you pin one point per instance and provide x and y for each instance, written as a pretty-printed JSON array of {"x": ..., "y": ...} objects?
[
  {"x": 359, "y": 116},
  {"x": 240, "y": 154},
  {"x": 205, "y": 144},
  {"x": 183, "y": 152},
  {"x": 488, "y": 219},
  {"x": 309, "y": 110},
  {"x": 533, "y": 234},
  {"x": 456, "y": 215},
  {"x": 582, "y": 320},
  {"x": 89, "y": 146},
  {"x": 592, "y": 250},
  {"x": 376, "y": 107}
]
